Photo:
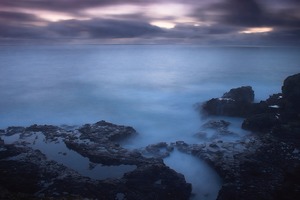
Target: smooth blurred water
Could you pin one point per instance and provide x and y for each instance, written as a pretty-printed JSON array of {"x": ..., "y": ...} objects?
[
  {"x": 205, "y": 181},
  {"x": 150, "y": 87}
]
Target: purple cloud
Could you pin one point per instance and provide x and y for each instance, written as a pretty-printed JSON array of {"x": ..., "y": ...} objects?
[{"x": 214, "y": 21}]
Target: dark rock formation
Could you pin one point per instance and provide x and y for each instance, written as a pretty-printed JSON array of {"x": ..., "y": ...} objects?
[
  {"x": 103, "y": 131},
  {"x": 267, "y": 165},
  {"x": 291, "y": 93},
  {"x": 241, "y": 94},
  {"x": 261, "y": 167},
  {"x": 280, "y": 113},
  {"x": 159, "y": 150},
  {"x": 32, "y": 176},
  {"x": 28, "y": 174},
  {"x": 261, "y": 122},
  {"x": 236, "y": 103},
  {"x": 156, "y": 182},
  {"x": 214, "y": 130},
  {"x": 100, "y": 144}
]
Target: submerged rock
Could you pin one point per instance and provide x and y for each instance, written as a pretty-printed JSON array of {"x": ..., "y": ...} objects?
[{"x": 219, "y": 125}]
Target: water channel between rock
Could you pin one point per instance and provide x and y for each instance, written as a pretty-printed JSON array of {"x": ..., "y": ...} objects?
[
  {"x": 57, "y": 151},
  {"x": 206, "y": 183}
]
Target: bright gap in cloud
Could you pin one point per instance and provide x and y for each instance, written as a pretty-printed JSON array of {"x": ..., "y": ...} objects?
[
  {"x": 167, "y": 10},
  {"x": 257, "y": 30},
  {"x": 165, "y": 15},
  {"x": 112, "y": 10},
  {"x": 46, "y": 15},
  {"x": 163, "y": 24},
  {"x": 57, "y": 16},
  {"x": 54, "y": 17}
]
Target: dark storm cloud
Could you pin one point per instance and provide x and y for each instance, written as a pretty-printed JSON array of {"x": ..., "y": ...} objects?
[
  {"x": 251, "y": 13},
  {"x": 219, "y": 20},
  {"x": 203, "y": 34},
  {"x": 243, "y": 12},
  {"x": 60, "y": 5},
  {"x": 103, "y": 28},
  {"x": 21, "y": 32},
  {"x": 20, "y": 25},
  {"x": 238, "y": 15},
  {"x": 16, "y": 16},
  {"x": 73, "y": 5},
  {"x": 233, "y": 12}
]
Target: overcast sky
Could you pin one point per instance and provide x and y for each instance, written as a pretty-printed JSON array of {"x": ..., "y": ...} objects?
[{"x": 205, "y": 22}]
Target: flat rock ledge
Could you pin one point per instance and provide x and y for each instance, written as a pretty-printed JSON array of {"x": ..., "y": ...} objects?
[{"x": 28, "y": 174}]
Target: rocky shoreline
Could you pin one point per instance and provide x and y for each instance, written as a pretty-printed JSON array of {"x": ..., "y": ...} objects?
[
  {"x": 262, "y": 165},
  {"x": 267, "y": 164},
  {"x": 28, "y": 174}
]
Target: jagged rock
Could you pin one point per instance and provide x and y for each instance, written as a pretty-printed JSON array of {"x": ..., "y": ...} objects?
[
  {"x": 241, "y": 94},
  {"x": 42, "y": 128},
  {"x": 236, "y": 102},
  {"x": 271, "y": 105},
  {"x": 108, "y": 155},
  {"x": 156, "y": 181},
  {"x": 31, "y": 175},
  {"x": 256, "y": 168},
  {"x": 28, "y": 174},
  {"x": 291, "y": 93},
  {"x": 13, "y": 130},
  {"x": 159, "y": 150},
  {"x": 280, "y": 113},
  {"x": 105, "y": 131},
  {"x": 261, "y": 122}
]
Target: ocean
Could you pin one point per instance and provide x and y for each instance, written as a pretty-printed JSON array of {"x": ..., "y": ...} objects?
[{"x": 153, "y": 88}]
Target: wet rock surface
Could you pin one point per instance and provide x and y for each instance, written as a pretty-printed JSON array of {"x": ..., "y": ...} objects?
[
  {"x": 291, "y": 94},
  {"x": 159, "y": 150},
  {"x": 265, "y": 165},
  {"x": 279, "y": 113},
  {"x": 254, "y": 168},
  {"x": 235, "y": 103},
  {"x": 26, "y": 173}
]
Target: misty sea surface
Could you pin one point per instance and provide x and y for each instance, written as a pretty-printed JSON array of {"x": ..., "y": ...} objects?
[{"x": 153, "y": 88}]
